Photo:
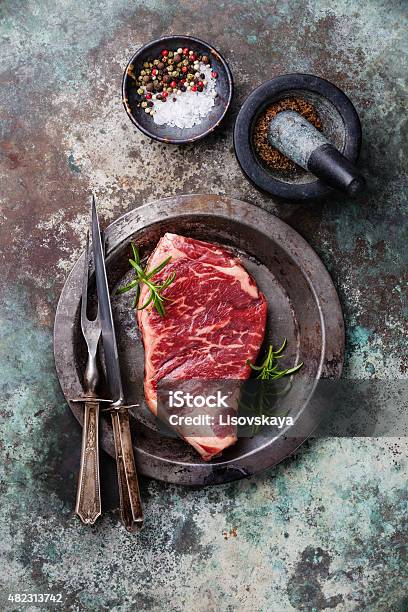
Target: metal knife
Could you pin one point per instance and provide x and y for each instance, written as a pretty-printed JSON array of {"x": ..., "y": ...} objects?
[{"x": 130, "y": 501}]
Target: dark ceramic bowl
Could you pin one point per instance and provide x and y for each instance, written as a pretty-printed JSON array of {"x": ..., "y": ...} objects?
[
  {"x": 341, "y": 126},
  {"x": 165, "y": 133}
]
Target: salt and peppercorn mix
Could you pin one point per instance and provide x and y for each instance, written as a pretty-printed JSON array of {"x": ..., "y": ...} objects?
[{"x": 170, "y": 74}]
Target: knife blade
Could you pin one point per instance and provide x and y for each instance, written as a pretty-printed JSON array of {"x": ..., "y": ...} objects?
[
  {"x": 129, "y": 494},
  {"x": 110, "y": 348}
]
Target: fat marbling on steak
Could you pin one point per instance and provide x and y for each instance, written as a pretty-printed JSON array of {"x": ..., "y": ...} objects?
[{"x": 215, "y": 320}]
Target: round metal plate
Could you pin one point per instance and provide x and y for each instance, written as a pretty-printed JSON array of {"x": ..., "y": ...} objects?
[{"x": 303, "y": 307}]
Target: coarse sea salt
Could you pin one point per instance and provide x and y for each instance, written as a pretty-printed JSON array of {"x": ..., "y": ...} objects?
[{"x": 189, "y": 107}]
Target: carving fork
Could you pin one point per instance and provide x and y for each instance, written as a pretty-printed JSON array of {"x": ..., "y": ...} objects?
[{"x": 88, "y": 502}]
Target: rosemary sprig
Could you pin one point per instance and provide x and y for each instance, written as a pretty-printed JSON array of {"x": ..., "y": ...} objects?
[
  {"x": 261, "y": 401},
  {"x": 269, "y": 368},
  {"x": 143, "y": 276}
]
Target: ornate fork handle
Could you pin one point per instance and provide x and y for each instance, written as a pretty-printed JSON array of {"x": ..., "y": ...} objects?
[{"x": 88, "y": 504}]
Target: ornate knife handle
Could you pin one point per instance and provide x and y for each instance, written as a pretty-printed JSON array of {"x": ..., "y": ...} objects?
[
  {"x": 130, "y": 502},
  {"x": 88, "y": 503}
]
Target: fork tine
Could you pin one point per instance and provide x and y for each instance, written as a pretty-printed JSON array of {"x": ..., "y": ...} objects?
[{"x": 84, "y": 301}]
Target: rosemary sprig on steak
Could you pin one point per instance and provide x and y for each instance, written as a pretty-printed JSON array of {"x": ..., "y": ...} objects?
[
  {"x": 261, "y": 400},
  {"x": 269, "y": 368},
  {"x": 143, "y": 276}
]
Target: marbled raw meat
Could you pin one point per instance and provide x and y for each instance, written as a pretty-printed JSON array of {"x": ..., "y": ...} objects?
[{"x": 215, "y": 320}]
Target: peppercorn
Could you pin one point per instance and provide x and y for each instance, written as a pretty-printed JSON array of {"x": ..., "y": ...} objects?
[
  {"x": 214, "y": 74},
  {"x": 172, "y": 72}
]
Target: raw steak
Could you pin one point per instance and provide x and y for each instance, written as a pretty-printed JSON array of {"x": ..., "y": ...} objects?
[{"x": 215, "y": 320}]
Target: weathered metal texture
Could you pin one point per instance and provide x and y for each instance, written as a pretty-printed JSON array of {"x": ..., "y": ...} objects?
[
  {"x": 325, "y": 529},
  {"x": 285, "y": 269}
]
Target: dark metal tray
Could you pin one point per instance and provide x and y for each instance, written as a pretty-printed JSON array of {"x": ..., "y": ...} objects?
[{"x": 303, "y": 307}]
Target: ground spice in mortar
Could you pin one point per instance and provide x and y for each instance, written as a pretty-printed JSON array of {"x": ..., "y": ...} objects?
[{"x": 268, "y": 154}]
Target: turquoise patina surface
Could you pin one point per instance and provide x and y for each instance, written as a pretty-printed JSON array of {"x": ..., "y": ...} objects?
[{"x": 328, "y": 527}]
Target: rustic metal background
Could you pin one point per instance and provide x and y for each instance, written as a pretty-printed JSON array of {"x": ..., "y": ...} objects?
[{"x": 326, "y": 528}]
